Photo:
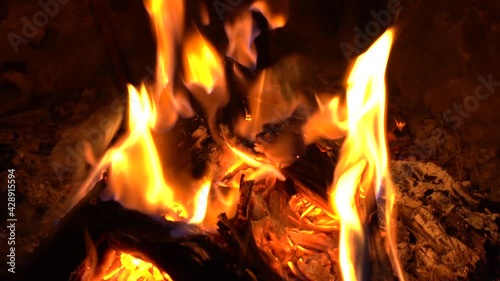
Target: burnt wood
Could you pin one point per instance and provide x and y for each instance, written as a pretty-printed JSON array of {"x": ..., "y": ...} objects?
[{"x": 182, "y": 250}]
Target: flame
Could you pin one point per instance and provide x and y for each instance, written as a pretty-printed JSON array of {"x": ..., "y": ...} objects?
[
  {"x": 201, "y": 200},
  {"x": 204, "y": 77},
  {"x": 399, "y": 124},
  {"x": 330, "y": 121},
  {"x": 203, "y": 67},
  {"x": 262, "y": 167},
  {"x": 275, "y": 11},
  {"x": 168, "y": 21},
  {"x": 167, "y": 18},
  {"x": 241, "y": 34},
  {"x": 136, "y": 164},
  {"x": 362, "y": 167},
  {"x": 137, "y": 177}
]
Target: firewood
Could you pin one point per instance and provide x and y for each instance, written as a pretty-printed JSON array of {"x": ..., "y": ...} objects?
[
  {"x": 182, "y": 250},
  {"x": 312, "y": 175}
]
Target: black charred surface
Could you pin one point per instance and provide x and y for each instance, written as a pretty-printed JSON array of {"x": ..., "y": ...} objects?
[{"x": 313, "y": 175}]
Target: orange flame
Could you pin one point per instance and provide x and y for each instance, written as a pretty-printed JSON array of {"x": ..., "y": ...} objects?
[
  {"x": 275, "y": 11},
  {"x": 240, "y": 34},
  {"x": 204, "y": 77},
  {"x": 202, "y": 64},
  {"x": 362, "y": 166},
  {"x": 136, "y": 164},
  {"x": 262, "y": 168},
  {"x": 201, "y": 200},
  {"x": 136, "y": 179},
  {"x": 168, "y": 21}
]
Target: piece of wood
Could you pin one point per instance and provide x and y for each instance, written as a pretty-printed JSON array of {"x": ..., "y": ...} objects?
[
  {"x": 238, "y": 230},
  {"x": 312, "y": 175},
  {"x": 182, "y": 250}
]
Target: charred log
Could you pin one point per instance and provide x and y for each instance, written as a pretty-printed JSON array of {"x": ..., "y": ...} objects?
[
  {"x": 182, "y": 250},
  {"x": 312, "y": 175}
]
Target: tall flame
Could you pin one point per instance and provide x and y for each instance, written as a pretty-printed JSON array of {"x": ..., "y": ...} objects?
[
  {"x": 137, "y": 164},
  {"x": 168, "y": 21},
  {"x": 361, "y": 171},
  {"x": 167, "y": 18},
  {"x": 362, "y": 166},
  {"x": 204, "y": 77},
  {"x": 137, "y": 177}
]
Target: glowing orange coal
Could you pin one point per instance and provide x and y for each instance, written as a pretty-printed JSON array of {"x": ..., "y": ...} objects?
[{"x": 124, "y": 267}]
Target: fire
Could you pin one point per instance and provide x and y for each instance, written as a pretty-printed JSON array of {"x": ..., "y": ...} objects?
[
  {"x": 362, "y": 167},
  {"x": 361, "y": 171},
  {"x": 241, "y": 35},
  {"x": 262, "y": 167},
  {"x": 202, "y": 64},
  {"x": 204, "y": 77},
  {"x": 275, "y": 11},
  {"x": 168, "y": 21},
  {"x": 201, "y": 200},
  {"x": 137, "y": 177}
]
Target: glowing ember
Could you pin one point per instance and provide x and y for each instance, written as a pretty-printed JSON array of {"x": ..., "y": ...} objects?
[
  {"x": 125, "y": 267},
  {"x": 399, "y": 124}
]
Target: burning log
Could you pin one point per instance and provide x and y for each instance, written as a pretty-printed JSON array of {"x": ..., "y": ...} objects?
[{"x": 184, "y": 251}]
